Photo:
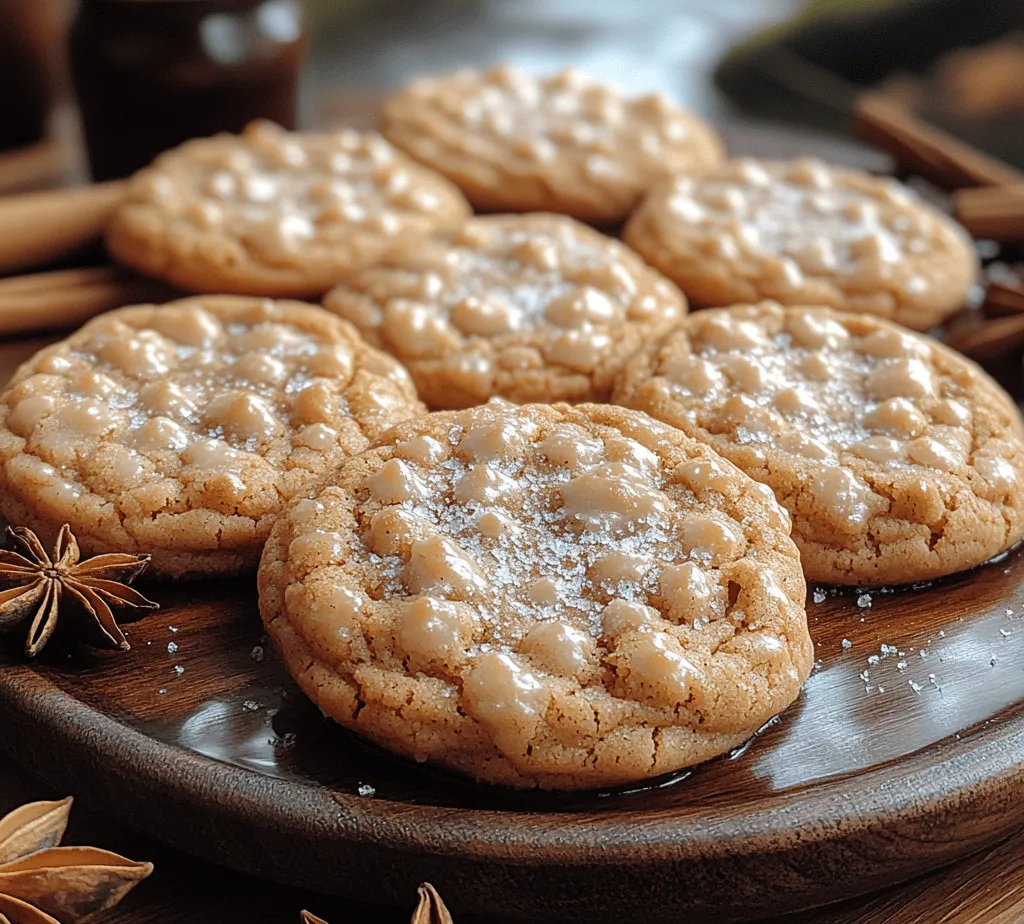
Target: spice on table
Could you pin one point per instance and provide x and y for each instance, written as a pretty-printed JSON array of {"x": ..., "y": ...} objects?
[
  {"x": 64, "y": 299},
  {"x": 430, "y": 910},
  {"x": 1003, "y": 300},
  {"x": 995, "y": 212},
  {"x": 40, "y": 581},
  {"x": 41, "y": 881},
  {"x": 919, "y": 148},
  {"x": 989, "y": 340}
]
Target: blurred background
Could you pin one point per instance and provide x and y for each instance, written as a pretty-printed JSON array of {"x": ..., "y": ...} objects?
[{"x": 148, "y": 73}]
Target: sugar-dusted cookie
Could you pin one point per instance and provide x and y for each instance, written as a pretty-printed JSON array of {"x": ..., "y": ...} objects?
[
  {"x": 271, "y": 212},
  {"x": 529, "y": 307},
  {"x": 898, "y": 459},
  {"x": 181, "y": 430},
  {"x": 543, "y": 596},
  {"x": 804, "y": 233},
  {"x": 562, "y": 143}
]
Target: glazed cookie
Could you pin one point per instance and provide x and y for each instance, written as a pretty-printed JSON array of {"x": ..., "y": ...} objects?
[
  {"x": 271, "y": 212},
  {"x": 804, "y": 233},
  {"x": 518, "y": 143},
  {"x": 528, "y": 307},
  {"x": 546, "y": 596},
  {"x": 181, "y": 430},
  {"x": 898, "y": 459}
]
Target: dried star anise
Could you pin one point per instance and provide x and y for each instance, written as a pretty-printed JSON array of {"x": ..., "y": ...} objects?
[
  {"x": 41, "y": 580},
  {"x": 430, "y": 910},
  {"x": 42, "y": 883}
]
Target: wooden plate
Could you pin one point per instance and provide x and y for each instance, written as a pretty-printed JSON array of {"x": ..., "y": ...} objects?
[
  {"x": 905, "y": 751},
  {"x": 882, "y": 770}
]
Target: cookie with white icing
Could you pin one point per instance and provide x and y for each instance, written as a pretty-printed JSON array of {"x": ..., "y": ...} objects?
[
  {"x": 525, "y": 307},
  {"x": 547, "y": 596},
  {"x": 515, "y": 142},
  {"x": 898, "y": 459},
  {"x": 181, "y": 430},
  {"x": 271, "y": 212},
  {"x": 805, "y": 233}
]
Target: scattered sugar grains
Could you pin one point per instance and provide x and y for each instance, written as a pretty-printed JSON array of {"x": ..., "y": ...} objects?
[
  {"x": 179, "y": 670},
  {"x": 819, "y": 595},
  {"x": 172, "y": 647},
  {"x": 257, "y": 654},
  {"x": 846, "y": 643},
  {"x": 366, "y": 790},
  {"x": 864, "y": 600},
  {"x": 541, "y": 535}
]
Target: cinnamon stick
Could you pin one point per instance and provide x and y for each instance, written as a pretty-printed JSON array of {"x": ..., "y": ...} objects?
[
  {"x": 989, "y": 341},
  {"x": 1002, "y": 300},
  {"x": 922, "y": 149},
  {"x": 65, "y": 299},
  {"x": 995, "y": 212},
  {"x": 37, "y": 228}
]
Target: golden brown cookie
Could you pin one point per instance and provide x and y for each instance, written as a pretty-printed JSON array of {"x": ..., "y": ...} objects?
[
  {"x": 804, "y": 233},
  {"x": 543, "y": 596},
  {"x": 562, "y": 143},
  {"x": 271, "y": 212},
  {"x": 528, "y": 307},
  {"x": 181, "y": 430},
  {"x": 898, "y": 459}
]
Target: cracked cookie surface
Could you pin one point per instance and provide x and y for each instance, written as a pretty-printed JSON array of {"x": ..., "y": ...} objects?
[
  {"x": 898, "y": 459},
  {"x": 543, "y": 596},
  {"x": 526, "y": 307},
  {"x": 805, "y": 233},
  {"x": 271, "y": 212},
  {"x": 181, "y": 430},
  {"x": 516, "y": 142}
]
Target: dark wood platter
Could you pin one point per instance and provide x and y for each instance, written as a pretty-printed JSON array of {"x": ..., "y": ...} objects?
[
  {"x": 870, "y": 779},
  {"x": 905, "y": 752}
]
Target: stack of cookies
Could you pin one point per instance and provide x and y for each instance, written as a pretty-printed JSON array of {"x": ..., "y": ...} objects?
[{"x": 588, "y": 565}]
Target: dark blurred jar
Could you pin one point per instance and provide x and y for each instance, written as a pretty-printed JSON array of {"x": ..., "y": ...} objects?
[
  {"x": 31, "y": 35},
  {"x": 150, "y": 74}
]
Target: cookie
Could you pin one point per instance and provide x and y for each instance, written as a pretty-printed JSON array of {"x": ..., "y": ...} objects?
[
  {"x": 541, "y": 595},
  {"x": 271, "y": 212},
  {"x": 182, "y": 430},
  {"x": 562, "y": 143},
  {"x": 528, "y": 307},
  {"x": 898, "y": 459},
  {"x": 803, "y": 233}
]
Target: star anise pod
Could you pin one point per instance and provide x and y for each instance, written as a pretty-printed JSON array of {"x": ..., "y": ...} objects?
[
  {"x": 43, "y": 883},
  {"x": 430, "y": 910},
  {"x": 40, "y": 581}
]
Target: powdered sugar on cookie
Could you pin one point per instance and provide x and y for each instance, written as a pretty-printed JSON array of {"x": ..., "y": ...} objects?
[
  {"x": 181, "y": 429},
  {"x": 560, "y": 568},
  {"x": 532, "y": 308},
  {"x": 873, "y": 437}
]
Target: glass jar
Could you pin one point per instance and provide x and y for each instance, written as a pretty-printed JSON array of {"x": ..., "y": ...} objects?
[{"x": 150, "y": 74}]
